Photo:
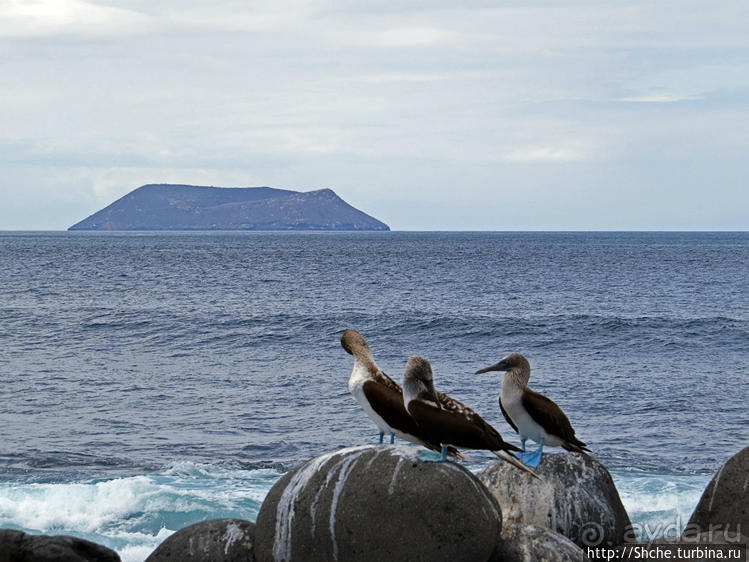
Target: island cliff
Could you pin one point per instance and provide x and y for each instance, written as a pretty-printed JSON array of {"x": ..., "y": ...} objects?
[{"x": 190, "y": 207}]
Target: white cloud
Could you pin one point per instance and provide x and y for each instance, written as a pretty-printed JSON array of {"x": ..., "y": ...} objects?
[
  {"x": 415, "y": 36},
  {"x": 547, "y": 154},
  {"x": 54, "y": 17},
  {"x": 375, "y": 95},
  {"x": 415, "y": 77},
  {"x": 658, "y": 98}
]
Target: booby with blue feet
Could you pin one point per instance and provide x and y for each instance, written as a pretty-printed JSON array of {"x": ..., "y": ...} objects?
[
  {"x": 532, "y": 415},
  {"x": 381, "y": 397},
  {"x": 447, "y": 421}
]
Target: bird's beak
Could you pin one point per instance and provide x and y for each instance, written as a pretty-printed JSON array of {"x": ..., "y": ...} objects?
[
  {"x": 433, "y": 391},
  {"x": 501, "y": 366}
]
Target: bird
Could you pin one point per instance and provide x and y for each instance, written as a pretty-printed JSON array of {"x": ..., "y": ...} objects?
[
  {"x": 381, "y": 397},
  {"x": 532, "y": 415},
  {"x": 447, "y": 421}
]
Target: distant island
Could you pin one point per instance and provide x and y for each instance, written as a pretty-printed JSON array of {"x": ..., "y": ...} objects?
[{"x": 192, "y": 207}]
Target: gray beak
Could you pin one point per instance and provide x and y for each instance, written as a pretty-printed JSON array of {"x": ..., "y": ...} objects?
[
  {"x": 501, "y": 366},
  {"x": 433, "y": 392}
]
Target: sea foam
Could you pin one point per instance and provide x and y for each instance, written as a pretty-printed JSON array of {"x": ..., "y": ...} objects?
[
  {"x": 659, "y": 505},
  {"x": 134, "y": 515}
]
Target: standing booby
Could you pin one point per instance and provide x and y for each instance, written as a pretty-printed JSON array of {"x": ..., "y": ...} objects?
[
  {"x": 381, "y": 397},
  {"x": 532, "y": 415},
  {"x": 447, "y": 421}
]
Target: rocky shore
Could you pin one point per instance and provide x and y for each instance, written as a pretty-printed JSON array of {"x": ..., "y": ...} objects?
[{"x": 383, "y": 503}]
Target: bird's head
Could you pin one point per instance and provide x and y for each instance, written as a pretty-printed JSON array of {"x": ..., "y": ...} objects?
[
  {"x": 513, "y": 363},
  {"x": 354, "y": 343},
  {"x": 418, "y": 376}
]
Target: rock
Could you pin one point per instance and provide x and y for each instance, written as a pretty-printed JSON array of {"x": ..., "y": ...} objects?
[
  {"x": 377, "y": 503},
  {"x": 217, "y": 540},
  {"x": 576, "y": 498},
  {"x": 528, "y": 543},
  {"x": 17, "y": 546},
  {"x": 724, "y": 505},
  {"x": 718, "y": 536}
]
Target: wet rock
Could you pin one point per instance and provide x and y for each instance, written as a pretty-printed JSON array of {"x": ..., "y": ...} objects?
[
  {"x": 576, "y": 498},
  {"x": 724, "y": 505},
  {"x": 217, "y": 540},
  {"x": 528, "y": 543},
  {"x": 17, "y": 546},
  {"x": 377, "y": 503}
]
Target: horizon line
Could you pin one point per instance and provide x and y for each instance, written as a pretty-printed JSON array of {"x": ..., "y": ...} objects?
[{"x": 383, "y": 232}]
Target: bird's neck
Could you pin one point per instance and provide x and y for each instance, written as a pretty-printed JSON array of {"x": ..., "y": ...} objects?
[
  {"x": 364, "y": 362},
  {"x": 515, "y": 380},
  {"x": 411, "y": 390}
]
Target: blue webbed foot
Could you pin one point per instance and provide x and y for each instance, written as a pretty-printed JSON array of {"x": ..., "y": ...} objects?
[
  {"x": 432, "y": 456},
  {"x": 522, "y": 452},
  {"x": 392, "y": 438},
  {"x": 533, "y": 458},
  {"x": 382, "y": 434}
]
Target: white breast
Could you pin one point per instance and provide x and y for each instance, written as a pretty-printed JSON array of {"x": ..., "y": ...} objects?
[
  {"x": 527, "y": 428},
  {"x": 356, "y": 381}
]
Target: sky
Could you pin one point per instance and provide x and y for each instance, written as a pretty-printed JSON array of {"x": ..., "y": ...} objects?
[{"x": 491, "y": 115}]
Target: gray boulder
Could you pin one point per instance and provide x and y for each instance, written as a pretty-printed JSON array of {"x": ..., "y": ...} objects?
[
  {"x": 217, "y": 540},
  {"x": 377, "y": 503},
  {"x": 575, "y": 497},
  {"x": 528, "y": 543},
  {"x": 723, "y": 508},
  {"x": 17, "y": 546}
]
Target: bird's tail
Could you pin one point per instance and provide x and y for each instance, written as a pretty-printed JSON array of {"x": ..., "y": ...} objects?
[
  {"x": 451, "y": 451},
  {"x": 511, "y": 447},
  {"x": 505, "y": 456},
  {"x": 576, "y": 446},
  {"x": 454, "y": 453}
]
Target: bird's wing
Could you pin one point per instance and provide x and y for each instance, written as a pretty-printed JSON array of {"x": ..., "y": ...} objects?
[
  {"x": 386, "y": 398},
  {"x": 463, "y": 425},
  {"x": 387, "y": 402},
  {"x": 548, "y": 415},
  {"x": 385, "y": 380},
  {"x": 507, "y": 417}
]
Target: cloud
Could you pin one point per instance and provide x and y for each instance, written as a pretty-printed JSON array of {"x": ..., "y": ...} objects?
[
  {"x": 416, "y": 37},
  {"x": 547, "y": 154},
  {"x": 415, "y": 77},
  {"x": 658, "y": 98},
  {"x": 24, "y": 18},
  {"x": 385, "y": 97}
]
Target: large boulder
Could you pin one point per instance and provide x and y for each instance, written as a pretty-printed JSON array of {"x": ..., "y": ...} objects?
[
  {"x": 217, "y": 540},
  {"x": 377, "y": 503},
  {"x": 575, "y": 497},
  {"x": 723, "y": 509},
  {"x": 528, "y": 543},
  {"x": 17, "y": 546}
]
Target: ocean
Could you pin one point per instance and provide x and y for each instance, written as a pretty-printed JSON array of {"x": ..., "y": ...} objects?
[{"x": 152, "y": 380}]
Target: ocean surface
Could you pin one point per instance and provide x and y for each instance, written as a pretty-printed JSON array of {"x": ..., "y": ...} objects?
[{"x": 152, "y": 380}]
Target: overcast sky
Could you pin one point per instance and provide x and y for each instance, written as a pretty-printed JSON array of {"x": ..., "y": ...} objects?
[{"x": 538, "y": 115}]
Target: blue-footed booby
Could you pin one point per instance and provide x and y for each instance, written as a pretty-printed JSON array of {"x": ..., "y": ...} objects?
[
  {"x": 381, "y": 397},
  {"x": 447, "y": 421},
  {"x": 532, "y": 415}
]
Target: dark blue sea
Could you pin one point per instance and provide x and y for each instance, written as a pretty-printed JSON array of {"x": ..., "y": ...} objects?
[{"x": 152, "y": 380}]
